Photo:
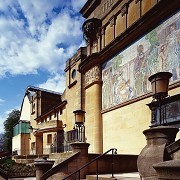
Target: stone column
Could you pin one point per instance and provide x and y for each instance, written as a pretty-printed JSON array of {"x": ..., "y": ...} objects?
[
  {"x": 93, "y": 122},
  {"x": 42, "y": 165},
  {"x": 154, "y": 152}
]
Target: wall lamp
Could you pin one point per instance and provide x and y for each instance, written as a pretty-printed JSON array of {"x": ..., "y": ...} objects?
[
  {"x": 79, "y": 123},
  {"x": 79, "y": 116},
  {"x": 31, "y": 129},
  {"x": 160, "y": 85}
]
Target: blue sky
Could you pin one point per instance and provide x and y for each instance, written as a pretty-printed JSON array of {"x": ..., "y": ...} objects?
[{"x": 36, "y": 39}]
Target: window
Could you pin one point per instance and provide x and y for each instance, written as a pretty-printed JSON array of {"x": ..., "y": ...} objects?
[
  {"x": 73, "y": 75},
  {"x": 49, "y": 139},
  {"x": 33, "y": 145},
  {"x": 33, "y": 108}
]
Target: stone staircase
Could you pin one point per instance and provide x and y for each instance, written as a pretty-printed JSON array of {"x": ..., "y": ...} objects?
[{"x": 67, "y": 164}]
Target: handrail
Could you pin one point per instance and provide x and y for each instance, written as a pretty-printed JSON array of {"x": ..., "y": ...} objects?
[{"x": 114, "y": 151}]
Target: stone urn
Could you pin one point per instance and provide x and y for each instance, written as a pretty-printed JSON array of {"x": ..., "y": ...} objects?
[{"x": 154, "y": 152}]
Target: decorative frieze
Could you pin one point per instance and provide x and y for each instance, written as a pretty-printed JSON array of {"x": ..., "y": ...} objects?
[
  {"x": 107, "y": 4},
  {"x": 93, "y": 75}
]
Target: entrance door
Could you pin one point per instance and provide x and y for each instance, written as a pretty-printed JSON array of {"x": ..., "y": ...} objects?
[{"x": 39, "y": 144}]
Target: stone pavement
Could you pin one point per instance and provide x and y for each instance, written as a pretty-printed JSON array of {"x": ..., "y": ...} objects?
[{"x": 120, "y": 176}]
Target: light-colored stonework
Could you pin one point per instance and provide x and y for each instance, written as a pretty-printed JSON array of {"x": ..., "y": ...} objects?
[
  {"x": 93, "y": 75},
  {"x": 124, "y": 114}
]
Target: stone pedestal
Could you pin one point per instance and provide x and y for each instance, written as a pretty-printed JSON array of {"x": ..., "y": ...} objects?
[
  {"x": 154, "y": 152},
  {"x": 82, "y": 159},
  {"x": 81, "y": 147},
  {"x": 42, "y": 165},
  {"x": 168, "y": 170}
]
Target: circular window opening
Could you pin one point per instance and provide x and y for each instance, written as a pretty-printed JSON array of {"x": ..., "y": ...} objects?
[{"x": 73, "y": 73}]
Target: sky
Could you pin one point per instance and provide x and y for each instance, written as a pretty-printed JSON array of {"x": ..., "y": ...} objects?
[{"x": 36, "y": 39}]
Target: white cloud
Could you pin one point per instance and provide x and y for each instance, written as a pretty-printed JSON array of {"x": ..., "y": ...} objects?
[
  {"x": 34, "y": 37},
  {"x": 55, "y": 83},
  {"x": 2, "y": 118},
  {"x": 1, "y": 101},
  {"x": 38, "y": 34}
]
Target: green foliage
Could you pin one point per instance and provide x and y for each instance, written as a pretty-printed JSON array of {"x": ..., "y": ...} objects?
[
  {"x": 16, "y": 169},
  {"x": 7, "y": 160},
  {"x": 11, "y": 120}
]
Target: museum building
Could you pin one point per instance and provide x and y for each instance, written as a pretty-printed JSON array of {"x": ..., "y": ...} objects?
[
  {"x": 107, "y": 81},
  {"x": 127, "y": 42}
]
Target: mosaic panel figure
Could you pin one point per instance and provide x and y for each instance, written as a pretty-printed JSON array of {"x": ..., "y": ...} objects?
[{"x": 125, "y": 76}]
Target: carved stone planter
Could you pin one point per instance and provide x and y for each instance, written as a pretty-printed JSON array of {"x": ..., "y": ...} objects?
[
  {"x": 154, "y": 152},
  {"x": 168, "y": 170}
]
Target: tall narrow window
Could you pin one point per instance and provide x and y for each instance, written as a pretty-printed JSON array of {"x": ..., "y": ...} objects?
[
  {"x": 49, "y": 139},
  {"x": 33, "y": 108}
]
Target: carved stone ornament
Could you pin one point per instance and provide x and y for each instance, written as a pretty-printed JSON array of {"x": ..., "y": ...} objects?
[
  {"x": 103, "y": 29},
  {"x": 136, "y": 1},
  {"x": 124, "y": 9},
  {"x": 90, "y": 29},
  {"x": 93, "y": 75},
  {"x": 112, "y": 21}
]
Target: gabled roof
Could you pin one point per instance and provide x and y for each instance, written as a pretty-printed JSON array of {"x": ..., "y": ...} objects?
[{"x": 34, "y": 89}]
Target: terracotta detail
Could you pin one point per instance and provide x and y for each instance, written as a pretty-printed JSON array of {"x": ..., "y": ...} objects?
[{"x": 94, "y": 74}]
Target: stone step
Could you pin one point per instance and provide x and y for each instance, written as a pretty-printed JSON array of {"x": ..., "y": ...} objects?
[
  {"x": 59, "y": 157},
  {"x": 120, "y": 176}
]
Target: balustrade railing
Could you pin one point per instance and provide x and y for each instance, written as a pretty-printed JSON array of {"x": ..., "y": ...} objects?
[{"x": 114, "y": 151}]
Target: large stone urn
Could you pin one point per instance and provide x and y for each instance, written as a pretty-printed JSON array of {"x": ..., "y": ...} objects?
[{"x": 154, "y": 152}]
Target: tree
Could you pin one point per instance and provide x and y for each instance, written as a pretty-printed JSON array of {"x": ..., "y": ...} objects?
[{"x": 9, "y": 123}]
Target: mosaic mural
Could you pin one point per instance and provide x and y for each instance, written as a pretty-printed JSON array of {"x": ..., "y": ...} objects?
[{"x": 125, "y": 76}]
